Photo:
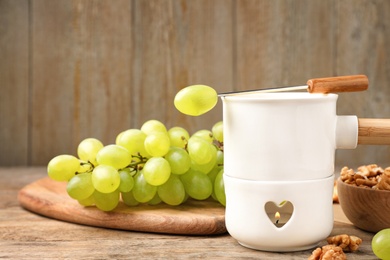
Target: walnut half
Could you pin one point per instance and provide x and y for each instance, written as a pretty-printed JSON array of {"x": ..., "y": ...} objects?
[
  {"x": 347, "y": 243},
  {"x": 328, "y": 252}
]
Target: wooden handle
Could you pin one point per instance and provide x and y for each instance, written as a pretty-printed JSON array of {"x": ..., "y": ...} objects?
[
  {"x": 374, "y": 131},
  {"x": 338, "y": 84}
]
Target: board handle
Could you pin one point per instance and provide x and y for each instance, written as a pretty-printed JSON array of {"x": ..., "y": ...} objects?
[
  {"x": 338, "y": 84},
  {"x": 374, "y": 131}
]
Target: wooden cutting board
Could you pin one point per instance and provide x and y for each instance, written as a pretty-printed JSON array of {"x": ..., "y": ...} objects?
[{"x": 49, "y": 198}]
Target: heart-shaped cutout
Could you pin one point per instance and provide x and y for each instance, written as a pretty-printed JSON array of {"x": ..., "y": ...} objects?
[{"x": 279, "y": 213}]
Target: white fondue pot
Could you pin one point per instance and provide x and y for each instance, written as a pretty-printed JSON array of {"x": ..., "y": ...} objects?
[{"x": 279, "y": 150}]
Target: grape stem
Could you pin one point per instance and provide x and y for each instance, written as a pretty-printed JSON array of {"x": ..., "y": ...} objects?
[
  {"x": 134, "y": 166},
  {"x": 218, "y": 144},
  {"x": 137, "y": 165},
  {"x": 91, "y": 167}
]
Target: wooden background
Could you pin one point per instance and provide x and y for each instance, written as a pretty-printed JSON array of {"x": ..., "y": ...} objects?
[{"x": 76, "y": 69}]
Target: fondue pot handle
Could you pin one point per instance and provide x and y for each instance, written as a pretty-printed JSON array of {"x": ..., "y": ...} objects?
[
  {"x": 338, "y": 84},
  {"x": 373, "y": 131}
]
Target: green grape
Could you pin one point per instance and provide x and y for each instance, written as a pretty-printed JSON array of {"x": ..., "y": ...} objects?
[
  {"x": 105, "y": 178},
  {"x": 106, "y": 201},
  {"x": 205, "y": 134},
  {"x": 152, "y": 126},
  {"x": 80, "y": 186},
  {"x": 143, "y": 191},
  {"x": 63, "y": 167},
  {"x": 207, "y": 167},
  {"x": 178, "y": 136},
  {"x": 128, "y": 199},
  {"x": 90, "y": 201},
  {"x": 157, "y": 144},
  {"x": 172, "y": 192},
  {"x": 186, "y": 197},
  {"x": 212, "y": 175},
  {"x": 381, "y": 244},
  {"x": 119, "y": 137},
  {"x": 217, "y": 131},
  {"x": 219, "y": 188},
  {"x": 196, "y": 100},
  {"x": 214, "y": 172},
  {"x": 220, "y": 158},
  {"x": 197, "y": 184},
  {"x": 200, "y": 151},
  {"x": 179, "y": 160},
  {"x": 156, "y": 171},
  {"x": 156, "y": 200},
  {"x": 88, "y": 148},
  {"x": 114, "y": 155},
  {"x": 133, "y": 140},
  {"x": 127, "y": 181}
]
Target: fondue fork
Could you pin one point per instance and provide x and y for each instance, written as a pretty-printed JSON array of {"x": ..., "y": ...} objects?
[{"x": 350, "y": 83}]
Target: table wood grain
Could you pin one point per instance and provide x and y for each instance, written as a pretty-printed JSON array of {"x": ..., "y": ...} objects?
[{"x": 26, "y": 235}]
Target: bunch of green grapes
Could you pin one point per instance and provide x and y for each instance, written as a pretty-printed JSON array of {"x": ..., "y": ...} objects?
[{"x": 148, "y": 165}]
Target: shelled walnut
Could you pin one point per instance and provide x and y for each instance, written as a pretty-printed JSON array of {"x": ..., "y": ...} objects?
[
  {"x": 384, "y": 180},
  {"x": 328, "y": 252},
  {"x": 367, "y": 176},
  {"x": 336, "y": 247},
  {"x": 347, "y": 243}
]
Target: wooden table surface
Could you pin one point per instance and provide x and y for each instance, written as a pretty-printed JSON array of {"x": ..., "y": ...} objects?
[{"x": 25, "y": 235}]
